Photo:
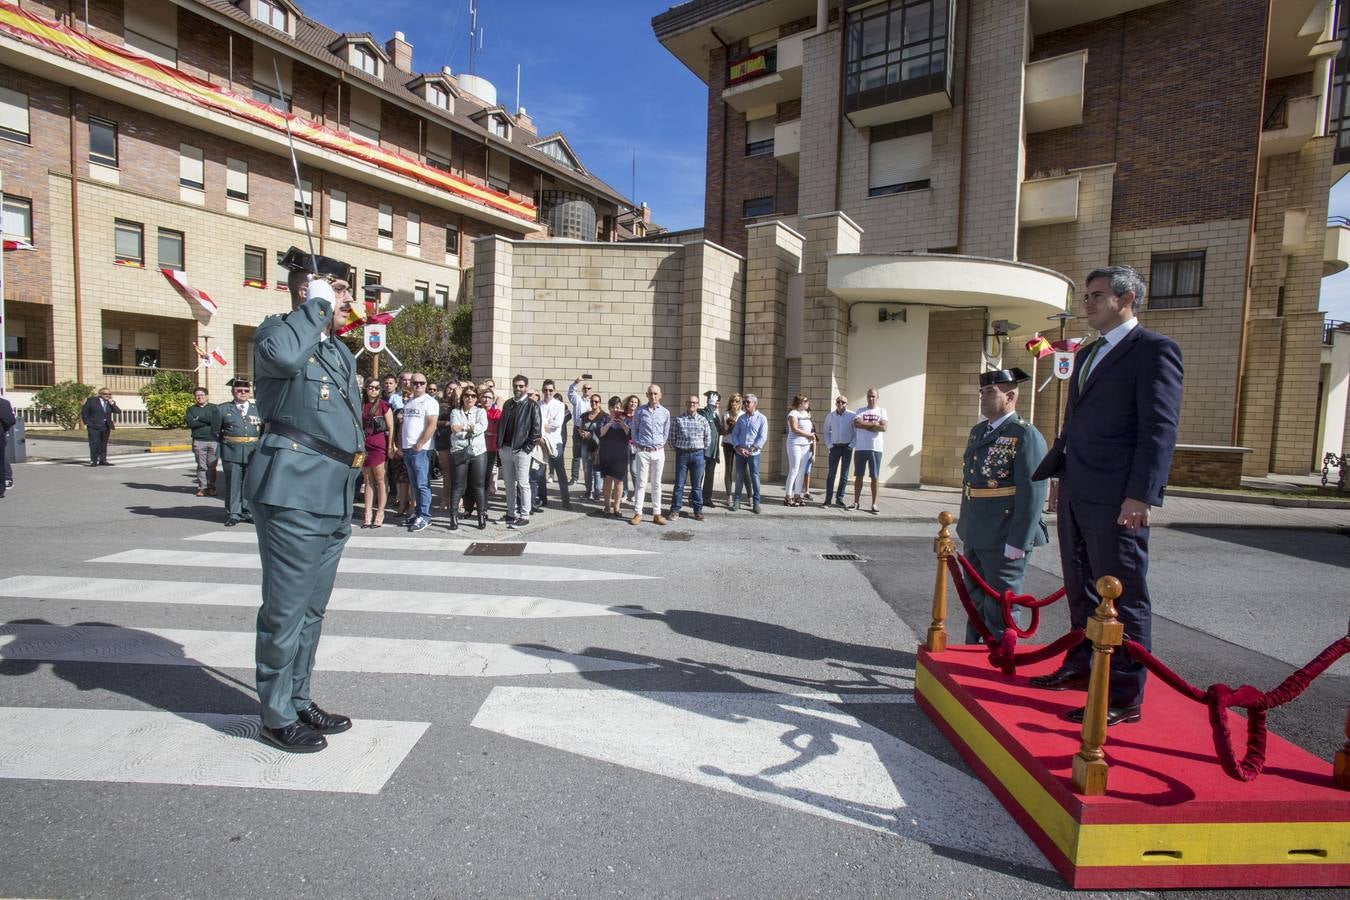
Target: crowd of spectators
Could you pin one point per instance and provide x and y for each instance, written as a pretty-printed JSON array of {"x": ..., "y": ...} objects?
[{"x": 418, "y": 430}]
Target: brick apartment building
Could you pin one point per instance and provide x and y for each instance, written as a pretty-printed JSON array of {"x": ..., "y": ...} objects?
[
  {"x": 935, "y": 177},
  {"x": 149, "y": 133}
]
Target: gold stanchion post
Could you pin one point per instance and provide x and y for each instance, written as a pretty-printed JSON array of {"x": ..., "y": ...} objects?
[
  {"x": 944, "y": 547},
  {"x": 1342, "y": 771},
  {"x": 1106, "y": 634}
]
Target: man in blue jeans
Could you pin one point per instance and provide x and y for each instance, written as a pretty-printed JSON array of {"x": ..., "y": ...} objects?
[
  {"x": 689, "y": 435},
  {"x": 419, "y": 426},
  {"x": 748, "y": 437},
  {"x": 839, "y": 438}
]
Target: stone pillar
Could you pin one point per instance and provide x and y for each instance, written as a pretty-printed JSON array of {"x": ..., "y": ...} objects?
[
  {"x": 775, "y": 254},
  {"x": 64, "y": 325},
  {"x": 824, "y": 371},
  {"x": 493, "y": 273},
  {"x": 713, "y": 305}
]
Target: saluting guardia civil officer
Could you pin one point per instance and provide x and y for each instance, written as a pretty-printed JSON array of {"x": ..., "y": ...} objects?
[
  {"x": 1002, "y": 516},
  {"x": 239, "y": 431},
  {"x": 300, "y": 485}
]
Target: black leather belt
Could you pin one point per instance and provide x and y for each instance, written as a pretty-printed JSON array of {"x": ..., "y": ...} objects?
[{"x": 318, "y": 445}]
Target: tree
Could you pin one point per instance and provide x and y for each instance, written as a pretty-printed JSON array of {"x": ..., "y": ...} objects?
[
  {"x": 63, "y": 401},
  {"x": 426, "y": 338}
]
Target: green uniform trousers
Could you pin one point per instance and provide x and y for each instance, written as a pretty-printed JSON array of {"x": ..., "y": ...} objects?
[
  {"x": 300, "y": 552},
  {"x": 235, "y": 503},
  {"x": 1001, "y": 574}
]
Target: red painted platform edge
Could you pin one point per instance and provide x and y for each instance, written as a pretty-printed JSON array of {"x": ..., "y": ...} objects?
[
  {"x": 1128, "y": 877},
  {"x": 1052, "y": 853},
  {"x": 1123, "y": 812}
]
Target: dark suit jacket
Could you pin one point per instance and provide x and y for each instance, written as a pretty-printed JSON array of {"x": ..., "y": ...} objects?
[
  {"x": 93, "y": 417},
  {"x": 7, "y": 420},
  {"x": 1120, "y": 430}
]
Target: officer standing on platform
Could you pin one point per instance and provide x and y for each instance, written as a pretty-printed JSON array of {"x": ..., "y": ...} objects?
[
  {"x": 239, "y": 424},
  {"x": 300, "y": 488},
  {"x": 1001, "y": 507}
]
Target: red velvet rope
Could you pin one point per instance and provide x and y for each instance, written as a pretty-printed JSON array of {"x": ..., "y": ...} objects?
[
  {"x": 1003, "y": 654},
  {"x": 1008, "y": 599},
  {"x": 1219, "y": 697}
]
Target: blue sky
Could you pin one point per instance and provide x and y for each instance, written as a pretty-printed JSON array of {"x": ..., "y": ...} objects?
[{"x": 590, "y": 69}]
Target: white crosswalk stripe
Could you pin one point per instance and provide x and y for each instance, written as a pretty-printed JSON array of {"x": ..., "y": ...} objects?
[
  {"x": 173, "y": 460},
  {"x": 337, "y": 653},
  {"x": 193, "y": 749},
  {"x": 435, "y": 545},
  {"x": 362, "y": 566},
  {"x": 198, "y": 593}
]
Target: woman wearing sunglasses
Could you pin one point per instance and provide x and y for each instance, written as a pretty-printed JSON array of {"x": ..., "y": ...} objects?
[{"x": 377, "y": 418}]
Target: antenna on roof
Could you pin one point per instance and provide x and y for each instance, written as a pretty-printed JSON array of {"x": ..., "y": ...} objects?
[
  {"x": 475, "y": 37},
  {"x": 517, "y": 87},
  {"x": 633, "y": 194}
]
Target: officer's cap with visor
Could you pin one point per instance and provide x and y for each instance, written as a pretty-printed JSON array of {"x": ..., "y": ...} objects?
[
  {"x": 297, "y": 260},
  {"x": 1013, "y": 377},
  {"x": 239, "y": 381}
]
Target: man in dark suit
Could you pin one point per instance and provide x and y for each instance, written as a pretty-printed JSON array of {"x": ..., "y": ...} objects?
[
  {"x": 7, "y": 421},
  {"x": 97, "y": 416},
  {"x": 1112, "y": 459}
]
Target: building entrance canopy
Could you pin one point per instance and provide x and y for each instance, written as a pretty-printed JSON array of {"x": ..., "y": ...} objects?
[{"x": 1018, "y": 292}]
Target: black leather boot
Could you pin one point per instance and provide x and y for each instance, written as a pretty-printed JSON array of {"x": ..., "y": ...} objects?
[
  {"x": 482, "y": 520},
  {"x": 454, "y": 520}
]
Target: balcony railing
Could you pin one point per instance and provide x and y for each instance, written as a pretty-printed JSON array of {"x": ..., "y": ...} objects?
[
  {"x": 28, "y": 373},
  {"x": 1332, "y": 326},
  {"x": 130, "y": 379}
]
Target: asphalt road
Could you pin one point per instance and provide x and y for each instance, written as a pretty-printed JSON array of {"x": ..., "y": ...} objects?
[{"x": 703, "y": 710}]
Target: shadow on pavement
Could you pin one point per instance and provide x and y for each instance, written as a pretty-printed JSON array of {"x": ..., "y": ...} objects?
[
  {"x": 181, "y": 685},
  {"x": 1287, "y": 542},
  {"x": 212, "y": 513}
]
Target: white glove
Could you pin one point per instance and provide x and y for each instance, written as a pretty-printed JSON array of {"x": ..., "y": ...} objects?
[
  {"x": 320, "y": 289},
  {"x": 1011, "y": 552}
]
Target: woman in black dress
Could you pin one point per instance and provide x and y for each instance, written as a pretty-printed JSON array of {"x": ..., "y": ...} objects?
[{"x": 614, "y": 455}]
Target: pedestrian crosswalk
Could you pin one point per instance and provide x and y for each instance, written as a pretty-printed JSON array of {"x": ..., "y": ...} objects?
[
  {"x": 810, "y": 753},
  {"x": 174, "y": 460}
]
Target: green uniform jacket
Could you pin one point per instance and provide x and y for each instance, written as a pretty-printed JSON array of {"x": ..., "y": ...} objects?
[
  {"x": 204, "y": 421},
  {"x": 301, "y": 380},
  {"x": 232, "y": 424},
  {"x": 1004, "y": 459}
]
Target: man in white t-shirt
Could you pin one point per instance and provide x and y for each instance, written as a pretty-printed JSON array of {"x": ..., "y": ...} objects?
[
  {"x": 869, "y": 426},
  {"x": 419, "y": 425},
  {"x": 553, "y": 438}
]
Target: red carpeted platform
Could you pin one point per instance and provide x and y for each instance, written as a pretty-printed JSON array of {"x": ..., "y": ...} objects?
[{"x": 1171, "y": 817}]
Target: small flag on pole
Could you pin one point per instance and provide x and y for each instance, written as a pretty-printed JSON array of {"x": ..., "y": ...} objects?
[
  {"x": 219, "y": 358},
  {"x": 179, "y": 281},
  {"x": 18, "y": 244},
  {"x": 1039, "y": 347},
  {"x": 201, "y": 353}
]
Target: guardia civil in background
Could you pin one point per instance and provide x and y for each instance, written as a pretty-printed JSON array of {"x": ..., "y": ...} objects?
[
  {"x": 300, "y": 486},
  {"x": 239, "y": 425},
  {"x": 1002, "y": 509}
]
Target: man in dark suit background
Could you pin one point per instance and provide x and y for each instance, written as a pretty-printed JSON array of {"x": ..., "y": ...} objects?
[
  {"x": 1112, "y": 459},
  {"x": 97, "y": 416},
  {"x": 7, "y": 421}
]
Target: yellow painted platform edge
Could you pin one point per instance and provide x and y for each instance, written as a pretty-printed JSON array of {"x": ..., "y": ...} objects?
[
  {"x": 168, "y": 448},
  {"x": 1196, "y": 844}
]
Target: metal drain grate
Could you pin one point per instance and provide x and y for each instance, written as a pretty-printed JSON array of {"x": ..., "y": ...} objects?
[
  {"x": 842, "y": 557},
  {"x": 487, "y": 549}
]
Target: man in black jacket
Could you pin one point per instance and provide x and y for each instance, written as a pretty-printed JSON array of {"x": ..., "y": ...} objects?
[
  {"x": 203, "y": 420},
  {"x": 7, "y": 421},
  {"x": 97, "y": 416},
  {"x": 518, "y": 433}
]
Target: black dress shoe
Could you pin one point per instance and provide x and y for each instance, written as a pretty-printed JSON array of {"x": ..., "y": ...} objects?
[
  {"x": 296, "y": 737},
  {"x": 323, "y": 722},
  {"x": 1062, "y": 680},
  {"x": 231, "y": 521},
  {"x": 1115, "y": 715}
]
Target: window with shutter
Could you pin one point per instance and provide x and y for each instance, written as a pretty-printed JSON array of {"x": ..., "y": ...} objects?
[
  {"x": 900, "y": 157},
  {"x": 236, "y": 179},
  {"x": 14, "y": 116},
  {"x": 191, "y": 170}
]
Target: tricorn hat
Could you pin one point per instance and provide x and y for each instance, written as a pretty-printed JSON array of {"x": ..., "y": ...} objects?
[
  {"x": 239, "y": 381},
  {"x": 1003, "y": 376},
  {"x": 298, "y": 260}
]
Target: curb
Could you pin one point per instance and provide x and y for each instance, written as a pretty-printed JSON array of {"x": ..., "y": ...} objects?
[
  {"x": 168, "y": 448},
  {"x": 1285, "y": 502}
]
